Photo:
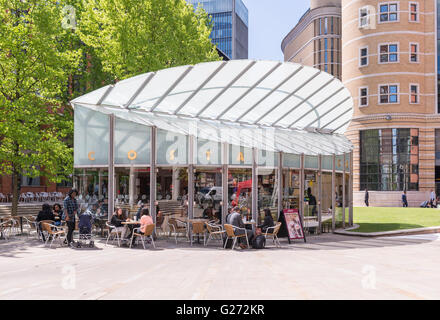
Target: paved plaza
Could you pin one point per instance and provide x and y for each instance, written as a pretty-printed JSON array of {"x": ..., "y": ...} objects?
[{"x": 327, "y": 267}]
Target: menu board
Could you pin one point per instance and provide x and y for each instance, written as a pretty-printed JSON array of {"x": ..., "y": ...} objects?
[{"x": 294, "y": 224}]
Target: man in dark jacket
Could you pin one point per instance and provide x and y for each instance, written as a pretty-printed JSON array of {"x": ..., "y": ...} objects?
[
  {"x": 237, "y": 221},
  {"x": 70, "y": 211},
  {"x": 367, "y": 197}
]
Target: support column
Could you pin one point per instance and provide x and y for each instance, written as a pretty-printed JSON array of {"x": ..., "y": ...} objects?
[
  {"x": 350, "y": 210},
  {"x": 301, "y": 187},
  {"x": 132, "y": 187},
  {"x": 190, "y": 183},
  {"x": 99, "y": 184},
  {"x": 153, "y": 174},
  {"x": 225, "y": 189},
  {"x": 319, "y": 202},
  {"x": 176, "y": 184},
  {"x": 280, "y": 184},
  {"x": 343, "y": 194},
  {"x": 111, "y": 169},
  {"x": 333, "y": 193},
  {"x": 254, "y": 186}
]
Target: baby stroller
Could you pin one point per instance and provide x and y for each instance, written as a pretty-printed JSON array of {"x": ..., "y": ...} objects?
[{"x": 85, "y": 230}]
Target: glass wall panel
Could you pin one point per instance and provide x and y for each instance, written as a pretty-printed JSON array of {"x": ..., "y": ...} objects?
[
  {"x": 208, "y": 152},
  {"x": 240, "y": 156},
  {"x": 326, "y": 201},
  {"x": 91, "y": 137},
  {"x": 208, "y": 193},
  {"x": 172, "y": 148},
  {"x": 290, "y": 189},
  {"x": 311, "y": 162},
  {"x": 92, "y": 186},
  {"x": 132, "y": 143},
  {"x": 291, "y": 160},
  {"x": 240, "y": 190},
  {"x": 267, "y": 159},
  {"x": 267, "y": 192},
  {"x": 340, "y": 163},
  {"x": 327, "y": 162},
  {"x": 310, "y": 200}
]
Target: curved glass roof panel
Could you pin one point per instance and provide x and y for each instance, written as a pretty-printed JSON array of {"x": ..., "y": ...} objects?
[{"x": 252, "y": 96}]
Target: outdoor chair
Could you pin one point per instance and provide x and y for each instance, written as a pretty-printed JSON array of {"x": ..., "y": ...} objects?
[
  {"x": 198, "y": 228},
  {"x": 230, "y": 233},
  {"x": 273, "y": 233},
  {"x": 176, "y": 226},
  {"x": 159, "y": 223},
  {"x": 3, "y": 198},
  {"x": 214, "y": 231},
  {"x": 5, "y": 229},
  {"x": 148, "y": 234},
  {"x": 113, "y": 233},
  {"x": 53, "y": 232}
]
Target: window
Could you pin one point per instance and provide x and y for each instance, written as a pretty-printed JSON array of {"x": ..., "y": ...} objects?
[
  {"x": 363, "y": 57},
  {"x": 414, "y": 52},
  {"x": 388, "y": 12},
  {"x": 388, "y": 94},
  {"x": 389, "y": 159},
  {"x": 364, "y": 19},
  {"x": 413, "y": 12},
  {"x": 363, "y": 97},
  {"x": 414, "y": 93},
  {"x": 388, "y": 53}
]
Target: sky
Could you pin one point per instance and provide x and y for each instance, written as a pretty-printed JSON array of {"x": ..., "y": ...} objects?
[{"x": 269, "y": 22}]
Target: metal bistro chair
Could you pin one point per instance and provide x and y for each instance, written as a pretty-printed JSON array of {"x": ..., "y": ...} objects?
[
  {"x": 230, "y": 233},
  {"x": 54, "y": 232},
  {"x": 174, "y": 226},
  {"x": 148, "y": 234},
  {"x": 198, "y": 228},
  {"x": 214, "y": 231},
  {"x": 112, "y": 231},
  {"x": 274, "y": 234}
]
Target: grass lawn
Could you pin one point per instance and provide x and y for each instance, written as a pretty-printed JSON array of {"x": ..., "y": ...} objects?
[{"x": 387, "y": 219}]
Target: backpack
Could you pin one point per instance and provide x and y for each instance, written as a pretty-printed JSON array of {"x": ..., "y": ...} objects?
[{"x": 259, "y": 242}]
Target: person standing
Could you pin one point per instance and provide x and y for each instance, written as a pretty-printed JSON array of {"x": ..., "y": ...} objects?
[
  {"x": 404, "y": 200},
  {"x": 432, "y": 199},
  {"x": 70, "y": 211},
  {"x": 367, "y": 197}
]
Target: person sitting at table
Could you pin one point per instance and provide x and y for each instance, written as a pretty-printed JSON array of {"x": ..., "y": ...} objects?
[
  {"x": 58, "y": 213},
  {"x": 117, "y": 219},
  {"x": 143, "y": 206},
  {"x": 45, "y": 214},
  {"x": 267, "y": 222},
  {"x": 207, "y": 214},
  {"x": 237, "y": 221},
  {"x": 145, "y": 220}
]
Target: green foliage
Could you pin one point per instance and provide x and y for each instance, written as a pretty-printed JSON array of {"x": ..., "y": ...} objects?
[
  {"x": 37, "y": 56},
  {"x": 137, "y": 36}
]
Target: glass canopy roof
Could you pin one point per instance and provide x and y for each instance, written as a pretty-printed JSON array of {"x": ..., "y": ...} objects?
[{"x": 266, "y": 104}]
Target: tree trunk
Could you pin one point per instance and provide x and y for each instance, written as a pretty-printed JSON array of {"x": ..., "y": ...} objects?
[{"x": 16, "y": 186}]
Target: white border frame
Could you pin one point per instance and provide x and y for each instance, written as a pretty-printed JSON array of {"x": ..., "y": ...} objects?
[
  {"x": 417, "y": 12},
  {"x": 360, "y": 97},
  {"x": 388, "y": 44},
  {"x": 388, "y": 3},
  {"x": 379, "y": 94},
  {"x": 361, "y": 56},
  {"x": 410, "y": 93},
  {"x": 410, "y": 52}
]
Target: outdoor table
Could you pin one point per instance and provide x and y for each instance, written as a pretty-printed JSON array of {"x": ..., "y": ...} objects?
[{"x": 131, "y": 225}]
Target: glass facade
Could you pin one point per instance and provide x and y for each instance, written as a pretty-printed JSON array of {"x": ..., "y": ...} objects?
[
  {"x": 221, "y": 12},
  {"x": 327, "y": 46},
  {"x": 438, "y": 55},
  {"x": 389, "y": 159}
]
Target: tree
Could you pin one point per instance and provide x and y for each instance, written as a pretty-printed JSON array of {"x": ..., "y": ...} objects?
[
  {"x": 37, "y": 56},
  {"x": 137, "y": 36}
]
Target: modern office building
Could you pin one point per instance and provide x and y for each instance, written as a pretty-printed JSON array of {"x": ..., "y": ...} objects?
[
  {"x": 316, "y": 39},
  {"x": 389, "y": 64},
  {"x": 230, "y": 25}
]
